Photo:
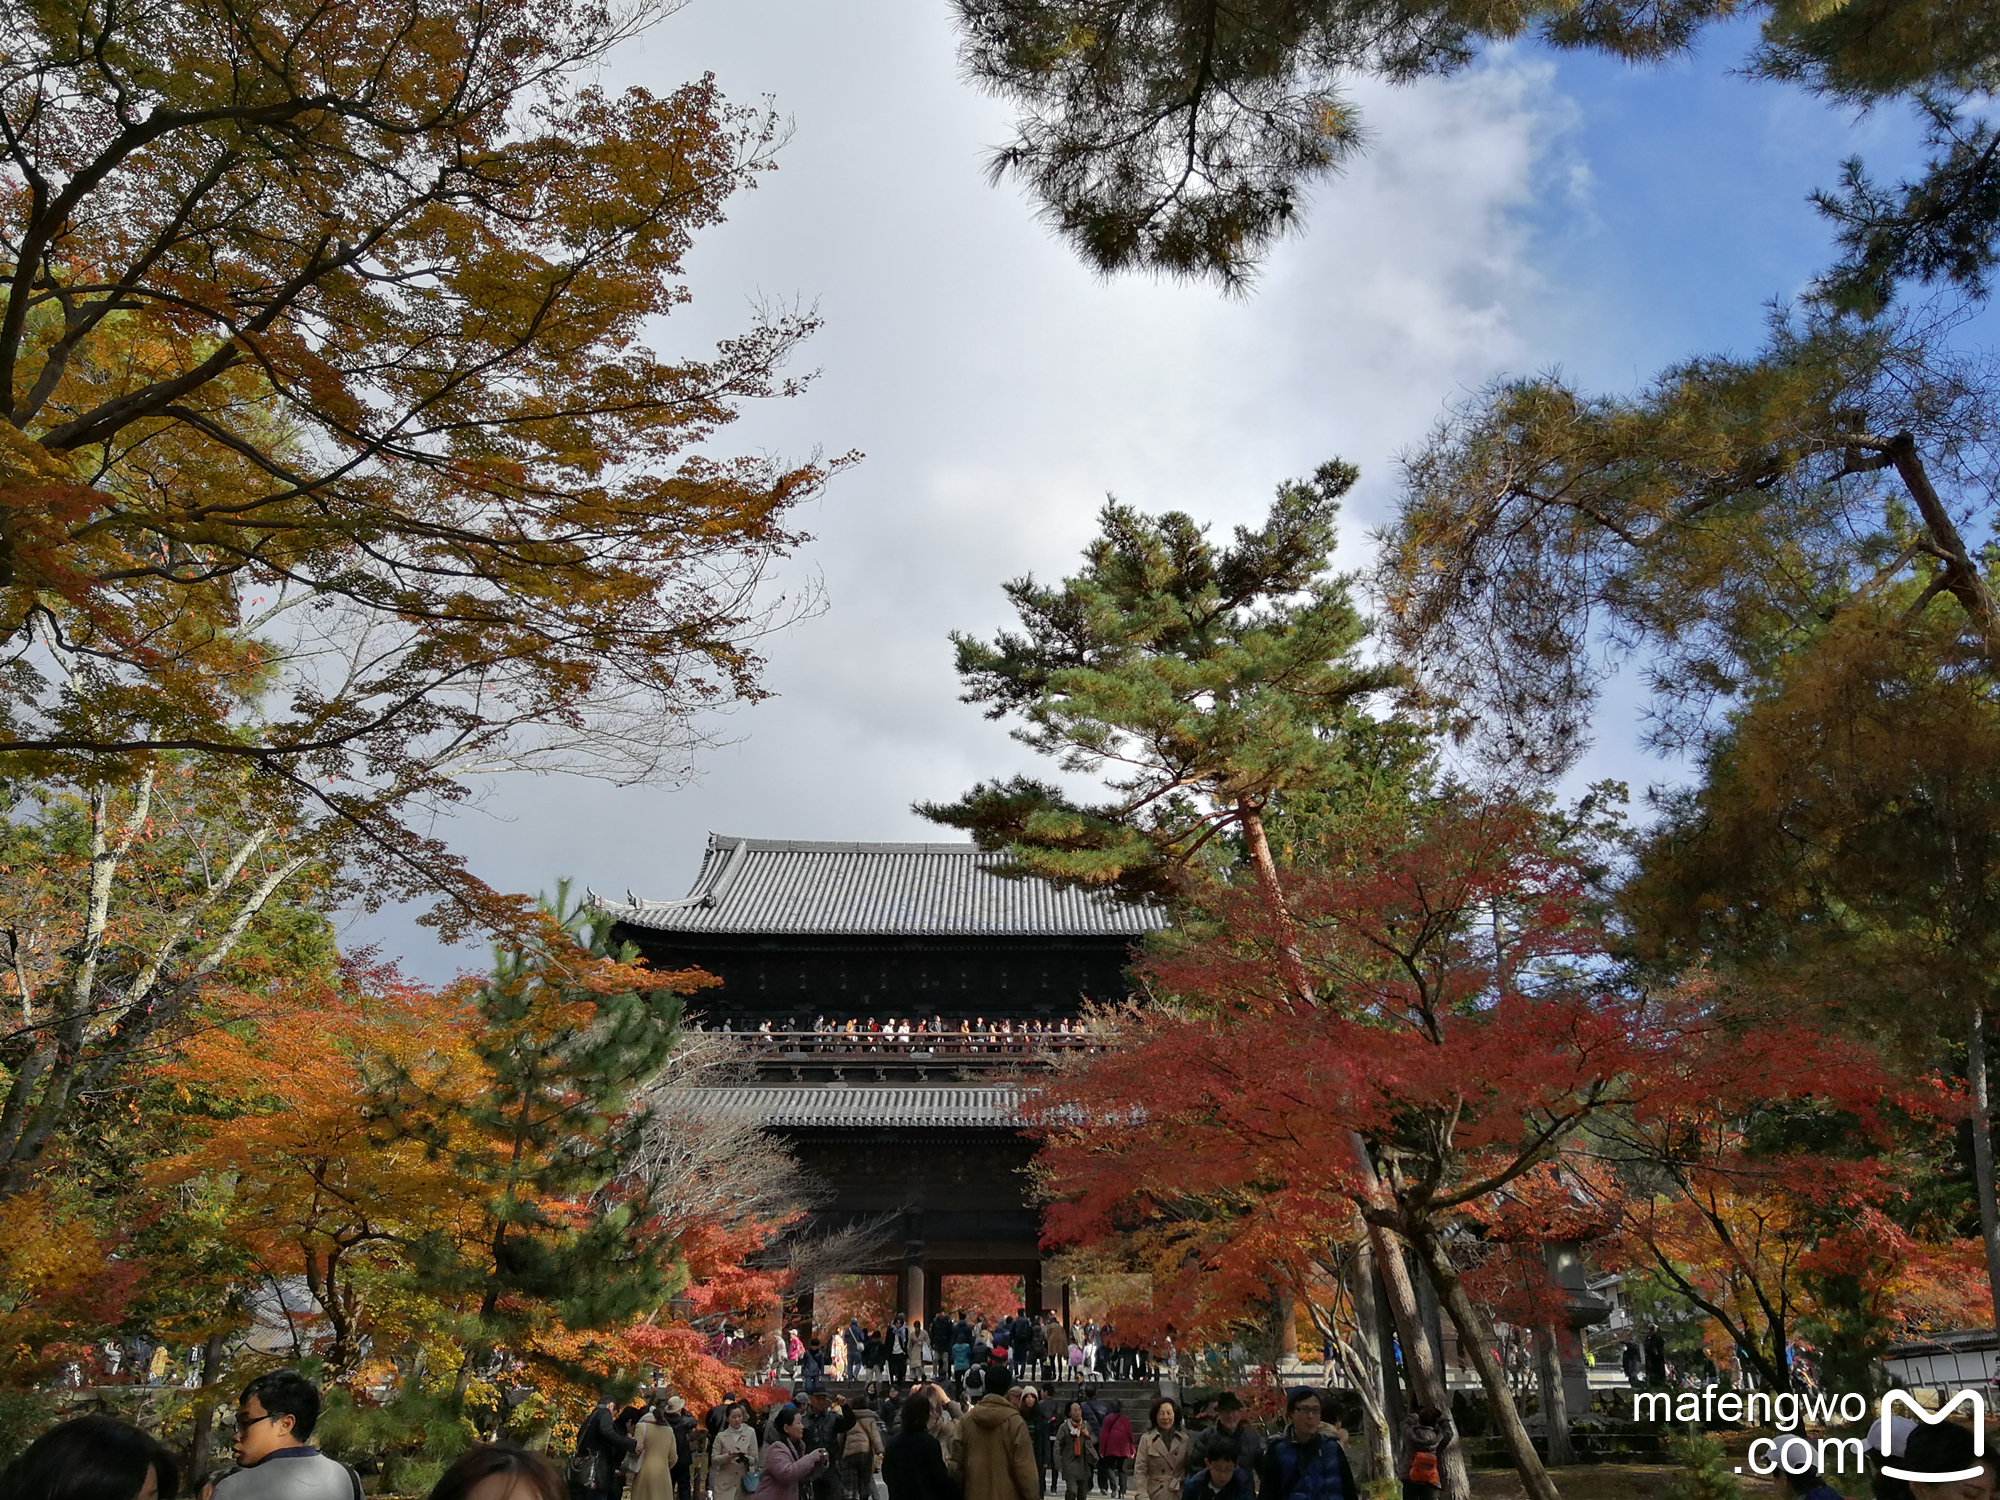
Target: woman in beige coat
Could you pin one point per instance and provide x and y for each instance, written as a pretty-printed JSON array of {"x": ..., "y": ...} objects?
[
  {"x": 732, "y": 1455},
  {"x": 1163, "y": 1451},
  {"x": 657, "y": 1454}
]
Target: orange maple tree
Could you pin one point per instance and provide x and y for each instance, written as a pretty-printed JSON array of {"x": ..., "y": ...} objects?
[{"x": 442, "y": 1171}]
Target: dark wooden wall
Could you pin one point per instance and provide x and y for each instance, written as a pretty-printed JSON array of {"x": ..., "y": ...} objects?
[{"x": 780, "y": 979}]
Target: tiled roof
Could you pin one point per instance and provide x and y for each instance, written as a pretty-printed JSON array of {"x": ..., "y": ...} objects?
[
  {"x": 942, "y": 890},
  {"x": 860, "y": 1106}
]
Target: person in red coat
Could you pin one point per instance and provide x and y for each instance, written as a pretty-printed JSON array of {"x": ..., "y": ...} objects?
[{"x": 1115, "y": 1447}]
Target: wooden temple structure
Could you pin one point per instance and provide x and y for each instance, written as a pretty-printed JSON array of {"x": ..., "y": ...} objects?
[{"x": 919, "y": 1131}]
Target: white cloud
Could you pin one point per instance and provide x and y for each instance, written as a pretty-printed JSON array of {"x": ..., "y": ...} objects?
[{"x": 999, "y": 391}]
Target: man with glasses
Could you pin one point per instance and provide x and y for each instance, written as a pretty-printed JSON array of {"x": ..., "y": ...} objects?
[
  {"x": 274, "y": 1418},
  {"x": 1305, "y": 1462}
]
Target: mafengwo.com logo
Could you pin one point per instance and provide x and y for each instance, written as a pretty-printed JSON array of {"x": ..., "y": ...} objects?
[
  {"x": 1974, "y": 1403},
  {"x": 1789, "y": 1410}
]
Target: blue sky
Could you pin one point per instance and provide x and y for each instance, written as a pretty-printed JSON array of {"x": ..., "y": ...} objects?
[{"x": 1536, "y": 212}]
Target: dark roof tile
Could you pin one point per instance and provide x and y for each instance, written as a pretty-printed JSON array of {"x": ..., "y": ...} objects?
[{"x": 788, "y": 886}]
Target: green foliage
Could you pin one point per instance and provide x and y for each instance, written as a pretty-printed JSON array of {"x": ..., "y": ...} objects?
[
  {"x": 1714, "y": 522},
  {"x": 1177, "y": 136},
  {"x": 25, "y": 1414},
  {"x": 1200, "y": 684},
  {"x": 567, "y": 1033},
  {"x": 413, "y": 1437},
  {"x": 1705, "y": 1470}
]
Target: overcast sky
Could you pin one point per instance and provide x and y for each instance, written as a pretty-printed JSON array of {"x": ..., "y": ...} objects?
[{"x": 1533, "y": 213}]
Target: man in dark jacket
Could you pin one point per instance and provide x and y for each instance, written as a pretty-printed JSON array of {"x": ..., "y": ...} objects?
[
  {"x": 625, "y": 1421},
  {"x": 1020, "y": 1342},
  {"x": 681, "y": 1420},
  {"x": 826, "y": 1424},
  {"x": 600, "y": 1435},
  {"x": 1305, "y": 1462},
  {"x": 942, "y": 1329},
  {"x": 1655, "y": 1350},
  {"x": 1230, "y": 1430},
  {"x": 1093, "y": 1409}
]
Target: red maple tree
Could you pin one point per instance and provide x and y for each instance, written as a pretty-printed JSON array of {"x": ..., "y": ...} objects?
[{"x": 1458, "y": 1016}]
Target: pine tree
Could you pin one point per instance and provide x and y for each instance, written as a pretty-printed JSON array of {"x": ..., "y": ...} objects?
[
  {"x": 567, "y": 1031},
  {"x": 1705, "y": 1470},
  {"x": 1199, "y": 683}
]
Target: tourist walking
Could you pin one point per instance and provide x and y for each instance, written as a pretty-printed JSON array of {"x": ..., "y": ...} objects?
[
  {"x": 941, "y": 1330},
  {"x": 1161, "y": 1464},
  {"x": 861, "y": 1452},
  {"x": 913, "y": 1465},
  {"x": 1220, "y": 1476},
  {"x": 275, "y": 1416},
  {"x": 658, "y": 1451},
  {"x": 1041, "y": 1433},
  {"x": 900, "y": 1334},
  {"x": 94, "y": 1456},
  {"x": 1115, "y": 1447},
  {"x": 992, "y": 1452},
  {"x": 732, "y": 1454},
  {"x": 1654, "y": 1350},
  {"x": 681, "y": 1421},
  {"x": 700, "y": 1439},
  {"x": 812, "y": 1366},
  {"x": 1231, "y": 1429},
  {"x": 788, "y": 1465},
  {"x": 1076, "y": 1453},
  {"x": 1422, "y": 1437},
  {"x": 1305, "y": 1462}
]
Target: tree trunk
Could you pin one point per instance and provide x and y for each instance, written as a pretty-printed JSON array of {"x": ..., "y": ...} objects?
[
  {"x": 1426, "y": 1380},
  {"x": 1377, "y": 1435},
  {"x": 1472, "y": 1337},
  {"x": 1425, "y": 1377},
  {"x": 204, "y": 1411},
  {"x": 1982, "y": 1152},
  {"x": 1291, "y": 962},
  {"x": 1555, "y": 1401}
]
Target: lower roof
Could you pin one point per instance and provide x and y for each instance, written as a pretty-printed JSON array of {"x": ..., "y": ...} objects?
[{"x": 862, "y": 1107}]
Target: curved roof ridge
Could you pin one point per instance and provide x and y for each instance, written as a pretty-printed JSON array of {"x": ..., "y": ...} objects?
[{"x": 800, "y": 886}]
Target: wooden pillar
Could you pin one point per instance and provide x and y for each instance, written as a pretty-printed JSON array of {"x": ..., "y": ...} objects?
[
  {"x": 913, "y": 1292},
  {"x": 1065, "y": 1310},
  {"x": 1031, "y": 1289}
]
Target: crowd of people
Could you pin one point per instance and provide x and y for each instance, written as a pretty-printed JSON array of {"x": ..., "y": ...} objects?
[
  {"x": 997, "y": 1440},
  {"x": 1035, "y": 1348}
]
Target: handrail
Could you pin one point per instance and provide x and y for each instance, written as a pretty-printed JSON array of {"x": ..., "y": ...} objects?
[{"x": 918, "y": 1044}]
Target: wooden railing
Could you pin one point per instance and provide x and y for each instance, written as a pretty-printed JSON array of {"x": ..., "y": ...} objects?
[{"x": 990, "y": 1044}]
